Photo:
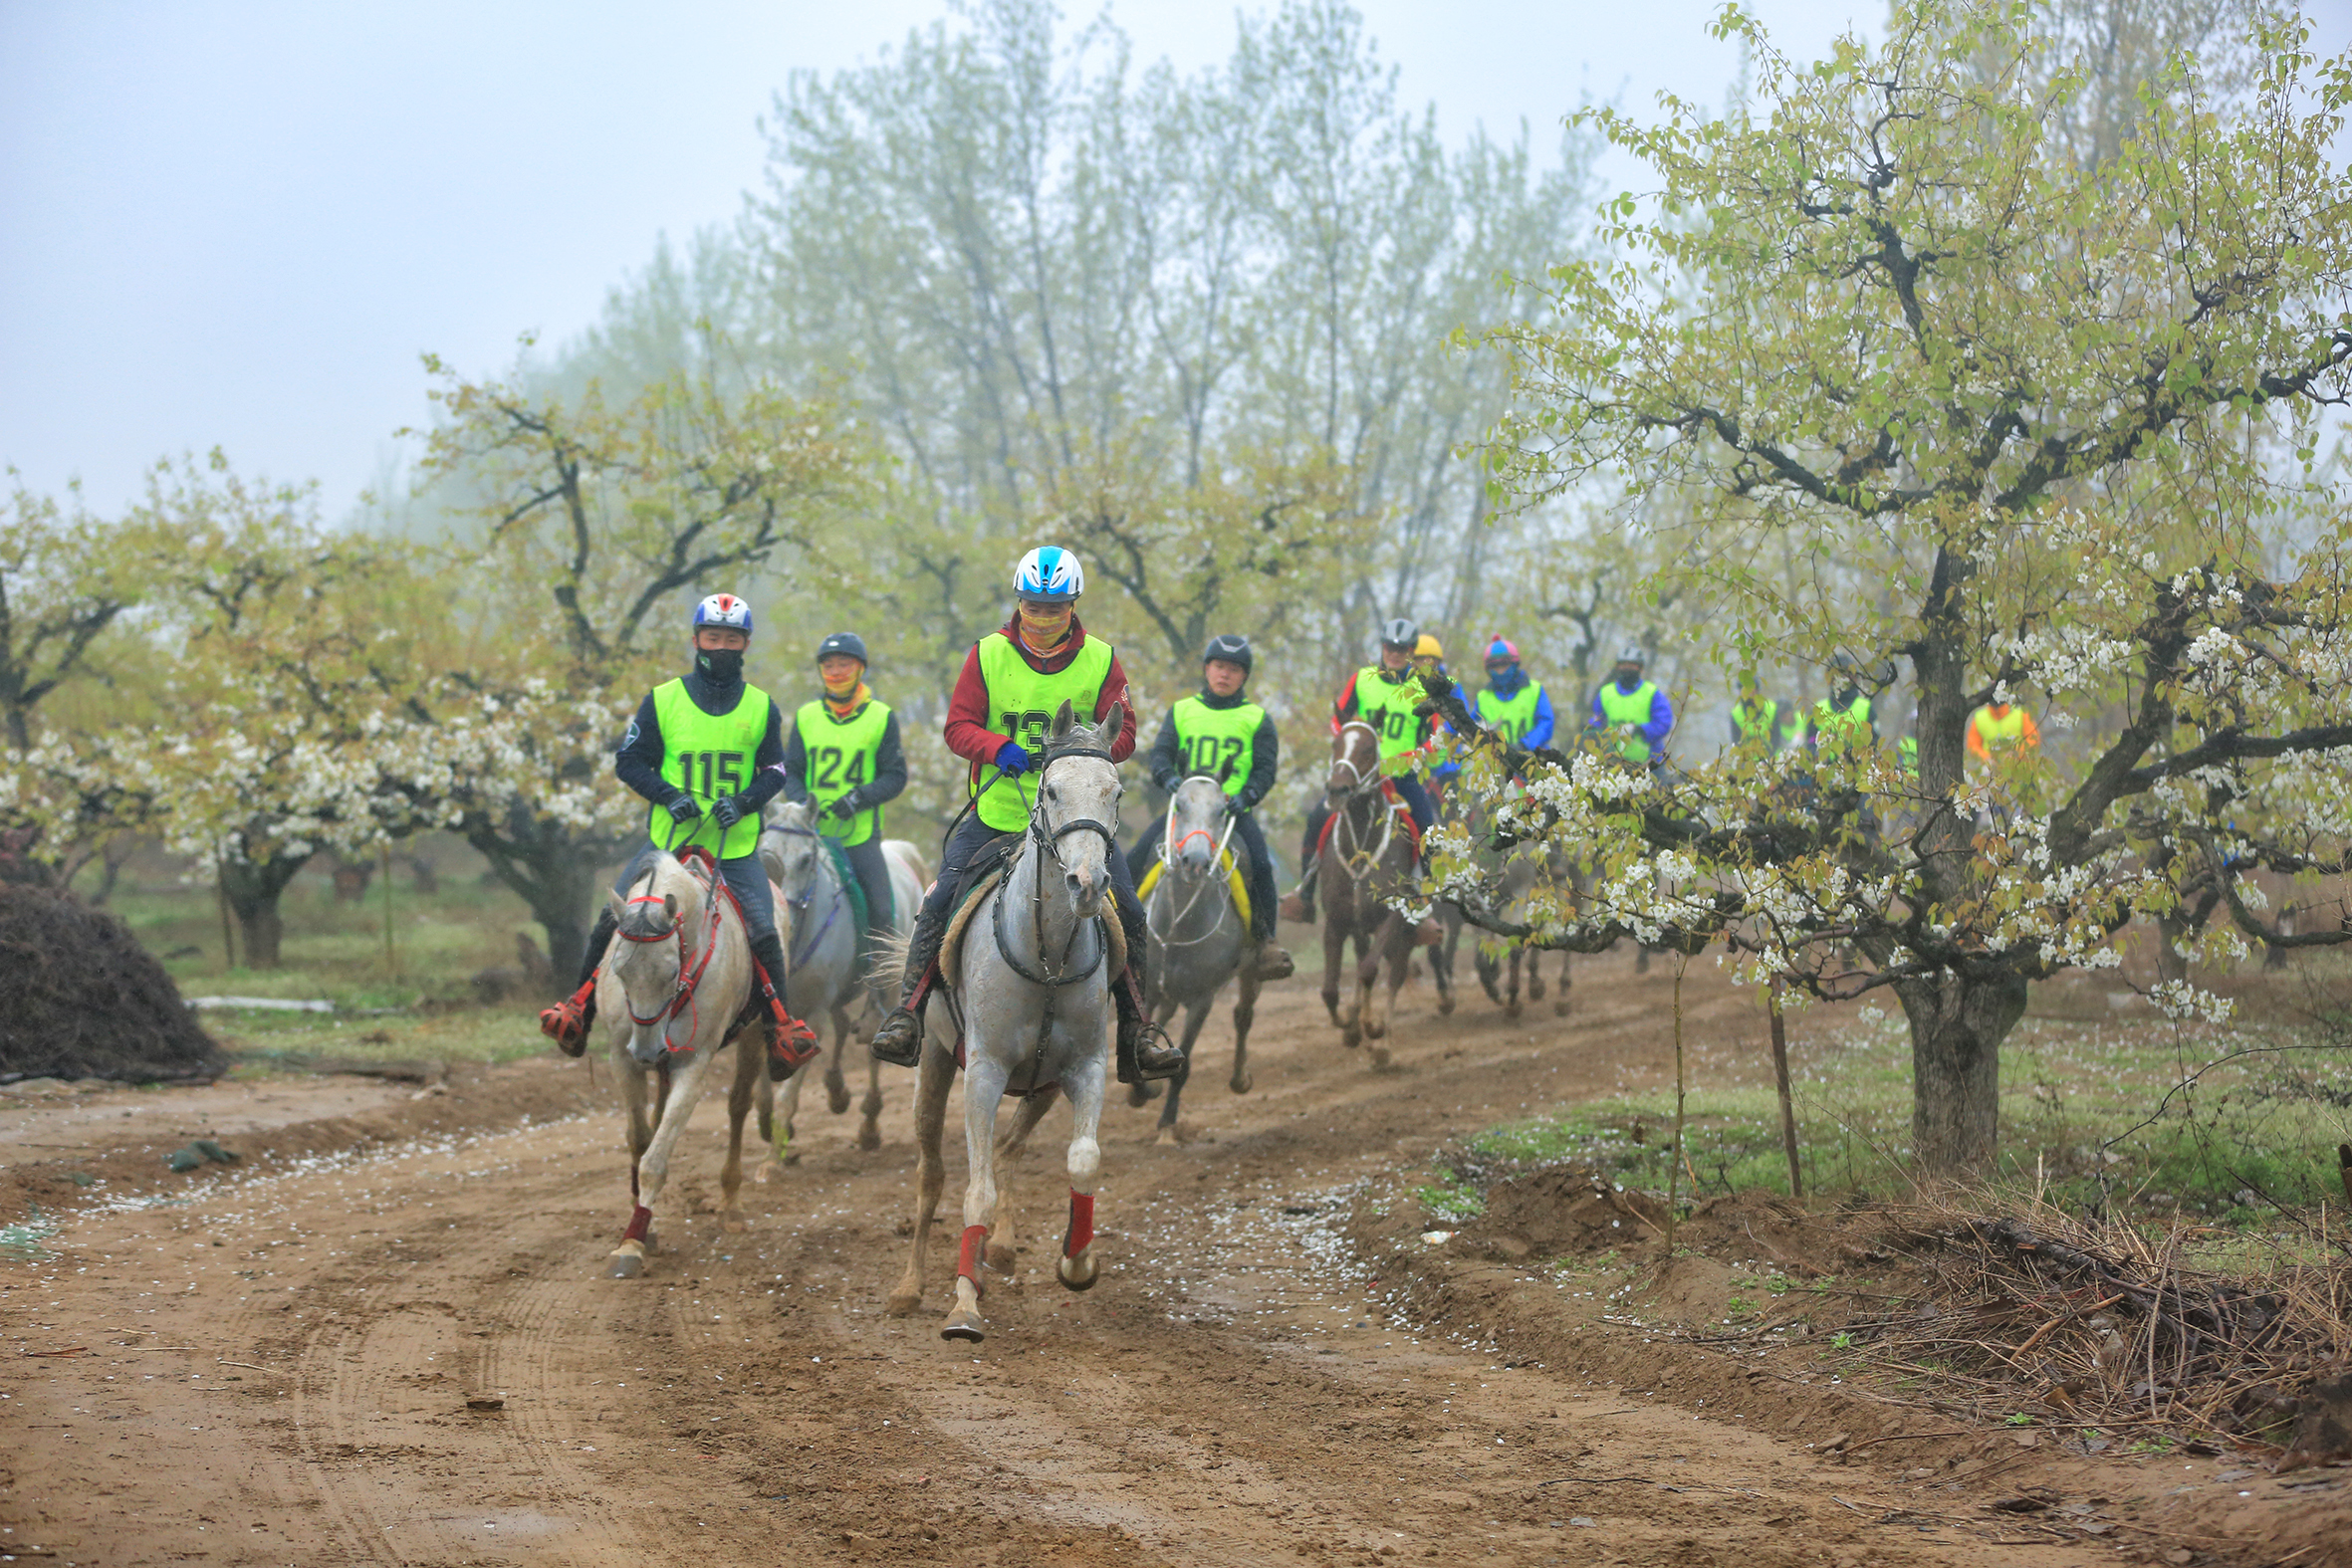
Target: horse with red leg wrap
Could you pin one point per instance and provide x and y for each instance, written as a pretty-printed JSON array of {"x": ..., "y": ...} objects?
[
  {"x": 1030, "y": 991},
  {"x": 670, "y": 997},
  {"x": 1367, "y": 858}
]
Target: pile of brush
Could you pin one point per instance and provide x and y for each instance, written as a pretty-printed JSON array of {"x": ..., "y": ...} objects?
[{"x": 2109, "y": 1325}]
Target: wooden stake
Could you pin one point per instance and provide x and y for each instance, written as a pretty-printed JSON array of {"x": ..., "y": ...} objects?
[
  {"x": 391, "y": 963},
  {"x": 1781, "y": 1081}
]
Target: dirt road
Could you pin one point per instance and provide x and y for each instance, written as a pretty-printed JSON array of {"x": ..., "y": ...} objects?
[{"x": 408, "y": 1355}]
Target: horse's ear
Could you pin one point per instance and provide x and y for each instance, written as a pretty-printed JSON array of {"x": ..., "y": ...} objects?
[
  {"x": 1061, "y": 720},
  {"x": 612, "y": 902},
  {"x": 1112, "y": 723},
  {"x": 669, "y": 907}
]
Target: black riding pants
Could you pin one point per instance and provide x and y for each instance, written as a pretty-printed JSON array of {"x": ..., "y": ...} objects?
[
  {"x": 1259, "y": 867},
  {"x": 872, "y": 870}
]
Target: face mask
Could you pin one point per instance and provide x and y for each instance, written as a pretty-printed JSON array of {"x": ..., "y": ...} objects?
[{"x": 723, "y": 666}]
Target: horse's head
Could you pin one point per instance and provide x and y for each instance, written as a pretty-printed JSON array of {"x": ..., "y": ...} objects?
[
  {"x": 790, "y": 852},
  {"x": 1356, "y": 763},
  {"x": 651, "y": 952},
  {"x": 1078, "y": 802},
  {"x": 1196, "y": 826}
]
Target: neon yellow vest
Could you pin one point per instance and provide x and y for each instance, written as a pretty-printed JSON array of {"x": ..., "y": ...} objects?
[
  {"x": 2006, "y": 733},
  {"x": 1219, "y": 741},
  {"x": 708, "y": 755},
  {"x": 1513, "y": 719},
  {"x": 1020, "y": 704},
  {"x": 840, "y": 755},
  {"x": 1631, "y": 707},
  {"x": 1757, "y": 721},
  {"x": 1388, "y": 709},
  {"x": 1840, "y": 728}
]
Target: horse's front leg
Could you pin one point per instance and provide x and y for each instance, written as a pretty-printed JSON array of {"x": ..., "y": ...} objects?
[
  {"x": 934, "y": 1077},
  {"x": 1335, "y": 952},
  {"x": 628, "y": 1258},
  {"x": 771, "y": 1162},
  {"x": 1560, "y": 1004},
  {"x": 787, "y": 1111},
  {"x": 1171, "y": 1131},
  {"x": 870, "y": 1110},
  {"x": 837, "y": 1088},
  {"x": 1083, "y": 1085},
  {"x": 984, "y": 1088},
  {"x": 1244, "y": 1007},
  {"x": 1386, "y": 940},
  {"x": 1511, "y": 1007},
  {"x": 750, "y": 1073},
  {"x": 1163, "y": 1012}
]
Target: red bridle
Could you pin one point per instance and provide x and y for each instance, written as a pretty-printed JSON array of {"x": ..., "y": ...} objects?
[{"x": 683, "y": 999}]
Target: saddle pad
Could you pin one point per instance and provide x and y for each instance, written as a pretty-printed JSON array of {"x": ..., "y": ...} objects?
[
  {"x": 1234, "y": 882},
  {"x": 849, "y": 883}
]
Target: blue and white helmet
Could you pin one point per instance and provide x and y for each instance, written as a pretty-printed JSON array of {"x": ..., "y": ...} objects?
[
  {"x": 724, "y": 609},
  {"x": 1049, "y": 574}
]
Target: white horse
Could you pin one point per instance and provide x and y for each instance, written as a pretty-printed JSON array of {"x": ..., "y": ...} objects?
[
  {"x": 1198, "y": 934},
  {"x": 1032, "y": 984},
  {"x": 667, "y": 998},
  {"x": 827, "y": 978}
]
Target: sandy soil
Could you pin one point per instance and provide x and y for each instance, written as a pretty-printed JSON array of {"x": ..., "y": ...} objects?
[{"x": 383, "y": 1337}]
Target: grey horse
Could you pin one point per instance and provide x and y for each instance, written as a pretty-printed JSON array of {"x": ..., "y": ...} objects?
[
  {"x": 1032, "y": 985},
  {"x": 1197, "y": 936},
  {"x": 830, "y": 977}
]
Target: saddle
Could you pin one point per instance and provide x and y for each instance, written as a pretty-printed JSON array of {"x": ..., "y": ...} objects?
[{"x": 1397, "y": 804}]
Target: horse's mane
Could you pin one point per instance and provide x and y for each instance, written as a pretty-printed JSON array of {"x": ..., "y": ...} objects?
[{"x": 663, "y": 875}]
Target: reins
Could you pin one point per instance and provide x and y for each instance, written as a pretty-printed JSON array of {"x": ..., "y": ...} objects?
[
  {"x": 832, "y": 911},
  {"x": 1170, "y": 844},
  {"x": 683, "y": 997},
  {"x": 1053, "y": 978},
  {"x": 1355, "y": 860}
]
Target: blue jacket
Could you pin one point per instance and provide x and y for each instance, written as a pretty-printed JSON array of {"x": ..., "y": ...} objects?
[
  {"x": 1508, "y": 685},
  {"x": 1661, "y": 718}
]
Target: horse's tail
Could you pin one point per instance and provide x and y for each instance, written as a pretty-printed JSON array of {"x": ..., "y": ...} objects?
[{"x": 889, "y": 957}]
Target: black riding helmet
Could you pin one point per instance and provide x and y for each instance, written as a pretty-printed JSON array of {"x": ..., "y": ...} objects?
[
  {"x": 1400, "y": 634},
  {"x": 843, "y": 642},
  {"x": 1230, "y": 648}
]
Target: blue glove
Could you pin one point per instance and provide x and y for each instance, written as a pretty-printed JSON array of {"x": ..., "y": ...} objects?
[
  {"x": 682, "y": 806},
  {"x": 1012, "y": 759},
  {"x": 727, "y": 811}
]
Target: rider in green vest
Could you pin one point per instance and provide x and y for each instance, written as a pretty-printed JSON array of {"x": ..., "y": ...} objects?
[
  {"x": 1221, "y": 733},
  {"x": 1846, "y": 721},
  {"x": 1513, "y": 705},
  {"x": 1757, "y": 720},
  {"x": 1632, "y": 713},
  {"x": 842, "y": 760},
  {"x": 1013, "y": 682},
  {"x": 1386, "y": 697},
  {"x": 704, "y": 751}
]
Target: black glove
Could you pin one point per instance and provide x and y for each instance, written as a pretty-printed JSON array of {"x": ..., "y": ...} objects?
[
  {"x": 727, "y": 811},
  {"x": 1235, "y": 805},
  {"x": 843, "y": 807},
  {"x": 682, "y": 806}
]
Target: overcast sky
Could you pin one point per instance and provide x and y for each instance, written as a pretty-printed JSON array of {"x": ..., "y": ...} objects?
[{"x": 240, "y": 224}]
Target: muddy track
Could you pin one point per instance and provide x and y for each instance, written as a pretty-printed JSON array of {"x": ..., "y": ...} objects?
[{"x": 281, "y": 1364}]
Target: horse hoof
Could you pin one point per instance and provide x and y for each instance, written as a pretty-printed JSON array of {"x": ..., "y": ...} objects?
[
  {"x": 1142, "y": 1093},
  {"x": 1375, "y": 1029},
  {"x": 766, "y": 1169},
  {"x": 733, "y": 1223},
  {"x": 1512, "y": 1008},
  {"x": 1560, "y": 1009},
  {"x": 1241, "y": 1082},
  {"x": 1079, "y": 1272},
  {"x": 625, "y": 1264},
  {"x": 1001, "y": 1259},
  {"x": 902, "y": 1303},
  {"x": 1169, "y": 1138},
  {"x": 1351, "y": 1037},
  {"x": 1445, "y": 1004},
  {"x": 870, "y": 1137},
  {"x": 1534, "y": 988},
  {"x": 838, "y": 1096},
  {"x": 965, "y": 1325},
  {"x": 1380, "y": 1058}
]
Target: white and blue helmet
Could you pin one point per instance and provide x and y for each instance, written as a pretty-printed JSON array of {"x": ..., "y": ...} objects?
[
  {"x": 1050, "y": 574},
  {"x": 724, "y": 609}
]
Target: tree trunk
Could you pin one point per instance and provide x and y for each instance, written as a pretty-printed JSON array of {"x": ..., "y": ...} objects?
[
  {"x": 1957, "y": 1026},
  {"x": 253, "y": 889},
  {"x": 555, "y": 872}
]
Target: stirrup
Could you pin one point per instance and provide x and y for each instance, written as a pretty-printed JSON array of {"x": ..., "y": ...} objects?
[
  {"x": 1151, "y": 1042},
  {"x": 1272, "y": 962},
  {"x": 791, "y": 1044},
  {"x": 566, "y": 1022},
  {"x": 1295, "y": 906},
  {"x": 904, "y": 1046}
]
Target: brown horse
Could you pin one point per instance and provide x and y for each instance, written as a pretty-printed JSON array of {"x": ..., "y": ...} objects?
[{"x": 1366, "y": 860}]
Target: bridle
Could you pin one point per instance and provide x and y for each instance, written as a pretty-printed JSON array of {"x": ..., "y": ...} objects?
[
  {"x": 1053, "y": 976},
  {"x": 801, "y": 950},
  {"x": 1363, "y": 781},
  {"x": 1358, "y": 860},
  {"x": 681, "y": 999},
  {"x": 1170, "y": 847}
]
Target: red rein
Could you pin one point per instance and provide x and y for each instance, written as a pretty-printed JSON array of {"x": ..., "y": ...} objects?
[{"x": 1082, "y": 1225}]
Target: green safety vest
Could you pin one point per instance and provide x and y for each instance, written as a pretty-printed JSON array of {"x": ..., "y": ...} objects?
[
  {"x": 840, "y": 755},
  {"x": 1757, "y": 721},
  {"x": 1388, "y": 708},
  {"x": 1021, "y": 702},
  {"x": 708, "y": 755},
  {"x": 1842, "y": 728},
  {"x": 1633, "y": 707},
  {"x": 2007, "y": 732},
  {"x": 1513, "y": 719},
  {"x": 1219, "y": 741},
  {"x": 1907, "y": 750}
]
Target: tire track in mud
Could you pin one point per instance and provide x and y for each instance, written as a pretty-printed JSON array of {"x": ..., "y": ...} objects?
[{"x": 1230, "y": 1393}]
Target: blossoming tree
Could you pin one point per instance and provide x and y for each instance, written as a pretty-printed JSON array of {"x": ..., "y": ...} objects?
[{"x": 2032, "y": 420}]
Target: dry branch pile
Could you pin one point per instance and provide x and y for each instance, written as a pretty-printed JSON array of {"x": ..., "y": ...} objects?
[
  {"x": 2107, "y": 1325},
  {"x": 80, "y": 998}
]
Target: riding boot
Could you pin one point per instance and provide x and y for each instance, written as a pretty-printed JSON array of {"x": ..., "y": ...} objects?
[
  {"x": 899, "y": 1041},
  {"x": 1300, "y": 903},
  {"x": 569, "y": 1021},
  {"x": 1145, "y": 1052},
  {"x": 790, "y": 1043}
]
